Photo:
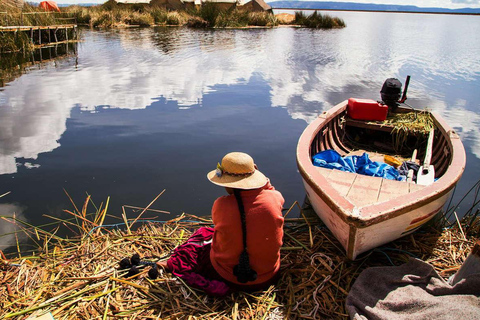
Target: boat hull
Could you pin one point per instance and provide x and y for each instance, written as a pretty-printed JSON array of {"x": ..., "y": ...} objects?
[
  {"x": 361, "y": 226},
  {"x": 357, "y": 240}
]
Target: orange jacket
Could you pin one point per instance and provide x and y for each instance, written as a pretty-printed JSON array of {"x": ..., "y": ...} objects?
[{"x": 263, "y": 211}]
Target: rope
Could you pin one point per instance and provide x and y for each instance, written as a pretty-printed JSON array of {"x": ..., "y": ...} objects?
[
  {"x": 329, "y": 262},
  {"x": 319, "y": 255}
]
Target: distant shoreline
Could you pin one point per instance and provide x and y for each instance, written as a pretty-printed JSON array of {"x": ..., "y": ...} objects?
[{"x": 382, "y": 11}]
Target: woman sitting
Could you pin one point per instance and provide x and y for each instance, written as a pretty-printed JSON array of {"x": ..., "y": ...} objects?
[{"x": 242, "y": 251}]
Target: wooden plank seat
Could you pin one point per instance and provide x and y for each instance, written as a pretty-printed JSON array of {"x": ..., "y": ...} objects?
[
  {"x": 376, "y": 125},
  {"x": 362, "y": 190}
]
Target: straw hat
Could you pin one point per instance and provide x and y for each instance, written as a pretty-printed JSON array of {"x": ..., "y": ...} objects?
[{"x": 237, "y": 171}]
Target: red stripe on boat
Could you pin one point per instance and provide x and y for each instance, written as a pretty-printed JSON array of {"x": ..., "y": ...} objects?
[{"x": 426, "y": 216}]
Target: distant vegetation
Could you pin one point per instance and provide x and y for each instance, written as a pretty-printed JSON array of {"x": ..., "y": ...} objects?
[
  {"x": 27, "y": 16},
  {"x": 318, "y": 20},
  {"x": 13, "y": 16},
  {"x": 10, "y": 43},
  {"x": 112, "y": 15},
  {"x": 209, "y": 15}
]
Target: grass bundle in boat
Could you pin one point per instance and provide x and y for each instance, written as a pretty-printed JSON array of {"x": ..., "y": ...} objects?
[
  {"x": 417, "y": 122},
  {"x": 408, "y": 124},
  {"x": 79, "y": 277}
]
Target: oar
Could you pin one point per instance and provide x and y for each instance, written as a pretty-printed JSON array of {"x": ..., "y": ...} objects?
[{"x": 426, "y": 173}]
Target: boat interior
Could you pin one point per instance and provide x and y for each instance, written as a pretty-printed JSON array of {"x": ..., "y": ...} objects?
[{"x": 353, "y": 137}]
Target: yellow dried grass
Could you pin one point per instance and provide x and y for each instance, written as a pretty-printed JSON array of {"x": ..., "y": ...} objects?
[
  {"x": 79, "y": 277},
  {"x": 406, "y": 124}
]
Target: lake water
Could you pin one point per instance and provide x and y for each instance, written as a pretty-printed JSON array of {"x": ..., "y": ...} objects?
[{"x": 137, "y": 111}]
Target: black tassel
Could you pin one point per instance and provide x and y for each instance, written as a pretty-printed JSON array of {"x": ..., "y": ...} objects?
[
  {"x": 153, "y": 272},
  {"x": 135, "y": 259},
  {"x": 133, "y": 264},
  {"x": 125, "y": 264},
  {"x": 133, "y": 271}
]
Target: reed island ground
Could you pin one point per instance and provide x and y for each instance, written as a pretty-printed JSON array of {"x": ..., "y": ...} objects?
[{"x": 79, "y": 276}]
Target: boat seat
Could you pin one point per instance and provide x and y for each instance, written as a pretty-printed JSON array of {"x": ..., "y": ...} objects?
[{"x": 376, "y": 125}]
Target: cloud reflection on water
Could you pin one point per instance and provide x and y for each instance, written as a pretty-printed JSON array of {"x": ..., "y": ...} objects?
[{"x": 308, "y": 71}]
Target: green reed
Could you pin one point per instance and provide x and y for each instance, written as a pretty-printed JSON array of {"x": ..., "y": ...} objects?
[
  {"x": 318, "y": 21},
  {"x": 210, "y": 15},
  {"x": 29, "y": 15}
]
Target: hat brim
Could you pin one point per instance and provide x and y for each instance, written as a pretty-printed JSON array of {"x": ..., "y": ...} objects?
[{"x": 254, "y": 181}]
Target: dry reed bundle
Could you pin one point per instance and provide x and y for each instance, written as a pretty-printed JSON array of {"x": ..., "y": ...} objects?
[
  {"x": 11, "y": 4},
  {"x": 407, "y": 124},
  {"x": 79, "y": 278},
  {"x": 418, "y": 121}
]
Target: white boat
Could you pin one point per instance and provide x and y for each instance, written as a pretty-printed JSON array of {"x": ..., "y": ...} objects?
[{"x": 364, "y": 212}]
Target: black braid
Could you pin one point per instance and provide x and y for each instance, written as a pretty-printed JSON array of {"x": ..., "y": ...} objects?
[
  {"x": 241, "y": 208},
  {"x": 243, "y": 270}
]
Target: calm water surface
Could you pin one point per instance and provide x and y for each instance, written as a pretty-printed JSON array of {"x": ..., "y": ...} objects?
[{"x": 141, "y": 110}]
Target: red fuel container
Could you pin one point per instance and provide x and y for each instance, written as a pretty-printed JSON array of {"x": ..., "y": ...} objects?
[{"x": 366, "y": 109}]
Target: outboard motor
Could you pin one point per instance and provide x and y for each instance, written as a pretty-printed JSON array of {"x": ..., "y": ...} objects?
[{"x": 391, "y": 91}]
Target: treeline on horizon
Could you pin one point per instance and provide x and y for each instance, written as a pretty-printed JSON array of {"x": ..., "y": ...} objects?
[{"x": 328, "y": 5}]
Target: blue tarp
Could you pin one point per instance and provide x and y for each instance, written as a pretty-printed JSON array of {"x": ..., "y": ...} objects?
[{"x": 331, "y": 159}]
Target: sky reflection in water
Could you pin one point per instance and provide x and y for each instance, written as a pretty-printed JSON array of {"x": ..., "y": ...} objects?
[{"x": 144, "y": 110}]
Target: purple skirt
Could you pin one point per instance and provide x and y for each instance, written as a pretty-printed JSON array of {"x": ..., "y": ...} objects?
[{"x": 191, "y": 262}]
